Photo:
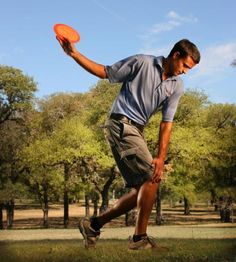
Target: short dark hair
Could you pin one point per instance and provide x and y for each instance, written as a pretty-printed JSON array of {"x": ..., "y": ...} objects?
[{"x": 186, "y": 48}]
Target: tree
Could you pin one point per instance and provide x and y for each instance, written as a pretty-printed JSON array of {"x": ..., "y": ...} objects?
[
  {"x": 61, "y": 120},
  {"x": 73, "y": 141},
  {"x": 191, "y": 108},
  {"x": 189, "y": 152},
  {"x": 203, "y": 151},
  {"x": 69, "y": 143},
  {"x": 46, "y": 185},
  {"x": 187, "y": 149},
  {"x": 52, "y": 112},
  {"x": 16, "y": 99},
  {"x": 16, "y": 93},
  {"x": 57, "y": 107},
  {"x": 10, "y": 133},
  {"x": 103, "y": 183},
  {"x": 221, "y": 118}
]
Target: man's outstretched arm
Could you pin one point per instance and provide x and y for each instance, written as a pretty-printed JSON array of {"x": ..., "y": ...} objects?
[
  {"x": 158, "y": 162},
  {"x": 89, "y": 65}
]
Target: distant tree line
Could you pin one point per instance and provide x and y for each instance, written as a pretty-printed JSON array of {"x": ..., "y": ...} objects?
[{"x": 53, "y": 149}]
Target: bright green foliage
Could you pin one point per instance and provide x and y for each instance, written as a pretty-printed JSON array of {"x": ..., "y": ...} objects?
[
  {"x": 190, "y": 109},
  {"x": 45, "y": 181},
  {"x": 72, "y": 140}
]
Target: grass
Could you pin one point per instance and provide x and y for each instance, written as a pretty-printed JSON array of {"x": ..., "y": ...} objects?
[{"x": 116, "y": 250}]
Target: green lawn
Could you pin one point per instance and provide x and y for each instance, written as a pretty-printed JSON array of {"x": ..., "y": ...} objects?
[{"x": 116, "y": 250}]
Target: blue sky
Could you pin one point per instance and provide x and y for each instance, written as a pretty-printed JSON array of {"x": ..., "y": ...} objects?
[{"x": 112, "y": 30}]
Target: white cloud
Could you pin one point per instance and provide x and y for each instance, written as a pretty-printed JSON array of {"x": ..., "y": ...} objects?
[
  {"x": 216, "y": 59},
  {"x": 173, "y": 20},
  {"x": 183, "y": 19}
]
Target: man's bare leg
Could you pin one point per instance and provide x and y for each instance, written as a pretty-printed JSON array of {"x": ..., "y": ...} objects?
[
  {"x": 143, "y": 197},
  {"x": 123, "y": 205},
  {"x": 145, "y": 200}
]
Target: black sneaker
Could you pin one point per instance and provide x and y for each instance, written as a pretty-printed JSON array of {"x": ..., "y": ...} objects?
[{"x": 89, "y": 234}]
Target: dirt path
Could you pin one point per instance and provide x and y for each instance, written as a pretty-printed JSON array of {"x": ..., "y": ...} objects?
[
  {"x": 202, "y": 223},
  {"x": 30, "y": 216},
  {"x": 198, "y": 232}
]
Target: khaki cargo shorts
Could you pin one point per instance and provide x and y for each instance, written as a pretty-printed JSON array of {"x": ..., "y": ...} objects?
[{"x": 130, "y": 151}]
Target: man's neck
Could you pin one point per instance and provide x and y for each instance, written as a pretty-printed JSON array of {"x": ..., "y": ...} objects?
[{"x": 165, "y": 69}]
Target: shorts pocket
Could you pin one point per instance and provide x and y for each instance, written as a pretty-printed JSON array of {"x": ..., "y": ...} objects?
[{"x": 135, "y": 161}]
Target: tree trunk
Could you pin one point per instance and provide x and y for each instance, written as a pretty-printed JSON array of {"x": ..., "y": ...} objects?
[
  {"x": 45, "y": 208},
  {"x": 87, "y": 213},
  {"x": 1, "y": 215},
  {"x": 10, "y": 213},
  {"x": 214, "y": 199},
  {"x": 158, "y": 207},
  {"x": 45, "y": 217},
  {"x": 105, "y": 192},
  {"x": 186, "y": 206},
  {"x": 66, "y": 197},
  {"x": 95, "y": 204},
  {"x": 95, "y": 207}
]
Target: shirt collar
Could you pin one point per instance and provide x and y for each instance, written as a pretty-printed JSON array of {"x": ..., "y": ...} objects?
[{"x": 159, "y": 63}]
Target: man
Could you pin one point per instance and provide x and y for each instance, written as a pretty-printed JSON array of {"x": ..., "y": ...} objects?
[{"x": 149, "y": 84}]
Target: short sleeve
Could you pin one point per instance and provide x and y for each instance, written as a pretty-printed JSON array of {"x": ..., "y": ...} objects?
[
  {"x": 123, "y": 70},
  {"x": 170, "y": 106}
]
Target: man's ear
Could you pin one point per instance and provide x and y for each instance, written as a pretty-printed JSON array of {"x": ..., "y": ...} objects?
[{"x": 176, "y": 55}]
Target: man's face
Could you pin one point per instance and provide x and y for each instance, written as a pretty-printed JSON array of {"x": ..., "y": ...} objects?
[{"x": 180, "y": 65}]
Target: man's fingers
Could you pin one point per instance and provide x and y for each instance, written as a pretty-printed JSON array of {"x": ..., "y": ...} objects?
[
  {"x": 156, "y": 179},
  {"x": 65, "y": 44},
  {"x": 157, "y": 176},
  {"x": 59, "y": 40},
  {"x": 158, "y": 171},
  {"x": 63, "y": 41}
]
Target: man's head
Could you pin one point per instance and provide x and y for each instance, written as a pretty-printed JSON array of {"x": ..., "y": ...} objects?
[
  {"x": 186, "y": 48},
  {"x": 183, "y": 56}
]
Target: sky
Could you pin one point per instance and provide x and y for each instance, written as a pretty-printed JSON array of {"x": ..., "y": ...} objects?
[{"x": 113, "y": 30}]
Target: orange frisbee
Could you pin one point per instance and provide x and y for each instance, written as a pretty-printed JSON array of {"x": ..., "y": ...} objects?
[{"x": 67, "y": 32}]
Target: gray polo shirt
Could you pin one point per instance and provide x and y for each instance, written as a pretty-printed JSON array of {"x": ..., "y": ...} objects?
[{"x": 143, "y": 92}]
